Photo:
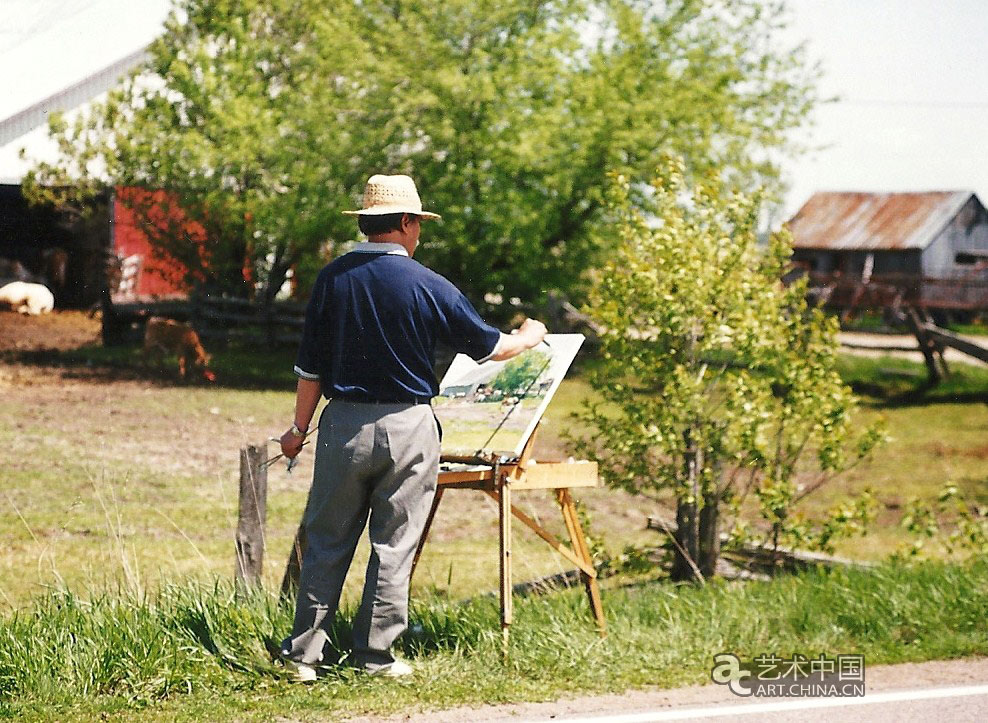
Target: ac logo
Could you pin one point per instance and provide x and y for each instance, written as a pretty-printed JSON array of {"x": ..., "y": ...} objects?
[
  {"x": 769, "y": 675},
  {"x": 727, "y": 669}
]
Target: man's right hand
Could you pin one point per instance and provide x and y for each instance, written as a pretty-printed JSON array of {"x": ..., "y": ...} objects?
[
  {"x": 533, "y": 330},
  {"x": 529, "y": 334}
]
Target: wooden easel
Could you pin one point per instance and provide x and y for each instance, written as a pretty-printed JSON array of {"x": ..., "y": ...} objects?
[{"x": 499, "y": 478}]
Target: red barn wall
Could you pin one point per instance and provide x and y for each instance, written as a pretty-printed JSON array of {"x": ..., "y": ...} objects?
[{"x": 156, "y": 277}]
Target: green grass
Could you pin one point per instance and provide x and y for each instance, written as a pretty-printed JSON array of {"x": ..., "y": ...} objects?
[
  {"x": 977, "y": 328},
  {"x": 118, "y": 491},
  {"x": 866, "y": 321},
  {"x": 193, "y": 651},
  {"x": 875, "y": 322},
  {"x": 137, "y": 481},
  {"x": 936, "y": 436}
]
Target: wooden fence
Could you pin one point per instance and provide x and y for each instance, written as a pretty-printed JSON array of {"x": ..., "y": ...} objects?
[
  {"x": 278, "y": 323},
  {"x": 895, "y": 290}
]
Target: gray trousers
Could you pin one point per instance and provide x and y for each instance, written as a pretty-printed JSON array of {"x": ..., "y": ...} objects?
[{"x": 376, "y": 459}]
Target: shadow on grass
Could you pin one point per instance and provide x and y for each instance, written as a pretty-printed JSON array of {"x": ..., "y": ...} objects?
[
  {"x": 889, "y": 383},
  {"x": 237, "y": 366},
  {"x": 925, "y": 394},
  {"x": 434, "y": 626}
]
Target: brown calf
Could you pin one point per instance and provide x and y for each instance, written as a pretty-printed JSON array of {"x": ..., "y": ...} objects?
[{"x": 166, "y": 336}]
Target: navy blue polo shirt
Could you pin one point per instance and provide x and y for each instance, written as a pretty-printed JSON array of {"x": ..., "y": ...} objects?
[{"x": 373, "y": 322}]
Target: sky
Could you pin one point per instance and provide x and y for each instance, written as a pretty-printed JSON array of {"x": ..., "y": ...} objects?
[{"x": 911, "y": 78}]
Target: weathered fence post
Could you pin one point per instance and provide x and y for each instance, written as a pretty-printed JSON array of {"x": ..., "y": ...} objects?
[
  {"x": 252, "y": 514},
  {"x": 935, "y": 371}
]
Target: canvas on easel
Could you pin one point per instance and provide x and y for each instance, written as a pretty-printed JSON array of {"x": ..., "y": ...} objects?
[{"x": 496, "y": 405}]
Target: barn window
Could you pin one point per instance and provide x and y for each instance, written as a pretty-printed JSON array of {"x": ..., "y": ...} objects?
[{"x": 968, "y": 259}]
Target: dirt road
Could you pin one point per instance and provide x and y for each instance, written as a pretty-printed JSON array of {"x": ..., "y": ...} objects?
[
  {"x": 856, "y": 342},
  {"x": 892, "y": 687}
]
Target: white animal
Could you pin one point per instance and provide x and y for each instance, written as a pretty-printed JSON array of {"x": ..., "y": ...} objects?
[{"x": 26, "y": 298}]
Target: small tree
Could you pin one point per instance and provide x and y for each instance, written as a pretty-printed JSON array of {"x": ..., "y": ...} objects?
[{"x": 718, "y": 382}]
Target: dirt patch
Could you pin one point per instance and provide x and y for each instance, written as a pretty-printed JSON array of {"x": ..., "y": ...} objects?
[
  {"x": 60, "y": 331},
  {"x": 940, "y": 449}
]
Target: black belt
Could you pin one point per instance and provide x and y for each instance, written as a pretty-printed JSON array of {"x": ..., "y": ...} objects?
[{"x": 358, "y": 399}]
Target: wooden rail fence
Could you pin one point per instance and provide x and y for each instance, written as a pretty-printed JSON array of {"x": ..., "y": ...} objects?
[
  {"x": 278, "y": 323},
  {"x": 890, "y": 291}
]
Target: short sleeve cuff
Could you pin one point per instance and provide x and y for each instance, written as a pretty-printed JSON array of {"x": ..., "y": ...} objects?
[
  {"x": 301, "y": 373},
  {"x": 494, "y": 351}
]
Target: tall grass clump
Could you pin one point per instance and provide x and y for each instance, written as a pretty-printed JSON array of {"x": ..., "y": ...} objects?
[
  {"x": 208, "y": 649},
  {"x": 139, "y": 648}
]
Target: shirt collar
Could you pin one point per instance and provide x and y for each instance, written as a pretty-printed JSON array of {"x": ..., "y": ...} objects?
[{"x": 368, "y": 247}]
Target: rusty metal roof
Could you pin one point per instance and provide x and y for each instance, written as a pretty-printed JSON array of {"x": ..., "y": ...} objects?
[{"x": 842, "y": 220}]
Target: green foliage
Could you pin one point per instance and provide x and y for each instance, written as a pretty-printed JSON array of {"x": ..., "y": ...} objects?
[
  {"x": 595, "y": 544},
  {"x": 845, "y": 519},
  {"x": 952, "y": 523},
  {"x": 720, "y": 384},
  {"x": 520, "y": 372},
  {"x": 264, "y": 119}
]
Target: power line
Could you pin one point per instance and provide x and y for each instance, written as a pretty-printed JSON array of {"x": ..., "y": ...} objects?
[
  {"x": 894, "y": 103},
  {"x": 44, "y": 18}
]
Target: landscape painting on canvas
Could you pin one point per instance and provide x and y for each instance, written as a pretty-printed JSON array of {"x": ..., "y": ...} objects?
[{"x": 496, "y": 405}]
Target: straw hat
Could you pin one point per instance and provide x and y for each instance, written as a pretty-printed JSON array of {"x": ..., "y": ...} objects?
[{"x": 391, "y": 194}]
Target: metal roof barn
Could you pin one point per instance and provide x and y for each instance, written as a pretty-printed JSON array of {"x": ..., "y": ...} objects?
[
  {"x": 928, "y": 249},
  {"x": 871, "y": 221}
]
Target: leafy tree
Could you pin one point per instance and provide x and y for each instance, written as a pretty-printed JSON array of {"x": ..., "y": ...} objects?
[
  {"x": 521, "y": 371},
  {"x": 718, "y": 383},
  {"x": 532, "y": 104},
  {"x": 263, "y": 118}
]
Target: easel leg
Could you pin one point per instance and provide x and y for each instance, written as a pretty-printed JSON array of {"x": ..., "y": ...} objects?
[
  {"x": 579, "y": 543},
  {"x": 425, "y": 530},
  {"x": 504, "y": 514}
]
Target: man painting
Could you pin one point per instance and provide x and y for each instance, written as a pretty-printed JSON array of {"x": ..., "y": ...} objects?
[{"x": 372, "y": 324}]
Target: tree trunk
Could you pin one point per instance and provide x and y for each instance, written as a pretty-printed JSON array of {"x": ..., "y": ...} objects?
[
  {"x": 684, "y": 551},
  {"x": 686, "y": 554},
  {"x": 709, "y": 534}
]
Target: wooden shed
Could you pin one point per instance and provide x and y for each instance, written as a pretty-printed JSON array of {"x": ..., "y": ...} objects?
[{"x": 930, "y": 246}]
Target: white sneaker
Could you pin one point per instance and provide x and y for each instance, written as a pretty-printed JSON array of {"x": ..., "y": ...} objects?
[
  {"x": 301, "y": 672},
  {"x": 397, "y": 669}
]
